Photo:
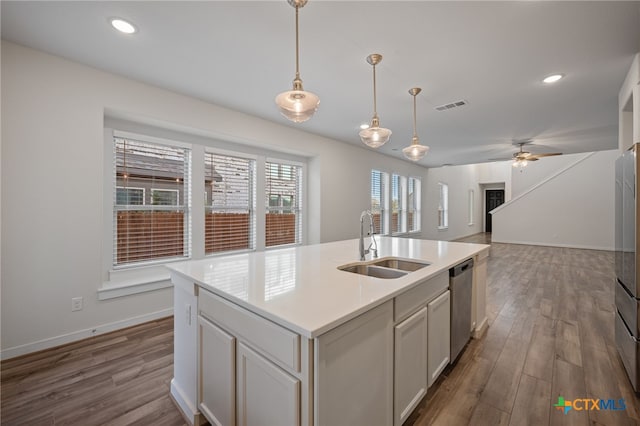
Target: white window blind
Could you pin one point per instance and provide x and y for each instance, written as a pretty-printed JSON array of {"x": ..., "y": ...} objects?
[
  {"x": 283, "y": 196},
  {"x": 398, "y": 204},
  {"x": 230, "y": 207},
  {"x": 151, "y": 202},
  {"x": 413, "y": 204},
  {"x": 379, "y": 184},
  {"x": 443, "y": 206}
]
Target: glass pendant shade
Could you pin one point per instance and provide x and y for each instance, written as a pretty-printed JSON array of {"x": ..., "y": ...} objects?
[
  {"x": 520, "y": 163},
  {"x": 415, "y": 151},
  {"x": 297, "y": 105},
  {"x": 374, "y": 136}
]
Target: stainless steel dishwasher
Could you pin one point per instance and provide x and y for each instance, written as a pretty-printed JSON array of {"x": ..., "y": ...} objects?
[{"x": 460, "y": 282}]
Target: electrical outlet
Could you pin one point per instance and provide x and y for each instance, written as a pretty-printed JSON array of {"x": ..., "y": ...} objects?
[{"x": 76, "y": 304}]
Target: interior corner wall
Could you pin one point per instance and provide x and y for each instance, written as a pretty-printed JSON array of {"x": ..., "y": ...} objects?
[
  {"x": 52, "y": 181},
  {"x": 572, "y": 209}
]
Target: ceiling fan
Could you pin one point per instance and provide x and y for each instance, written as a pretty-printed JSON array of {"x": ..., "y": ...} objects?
[{"x": 522, "y": 157}]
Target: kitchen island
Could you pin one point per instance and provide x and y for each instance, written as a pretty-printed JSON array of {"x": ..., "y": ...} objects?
[{"x": 285, "y": 337}]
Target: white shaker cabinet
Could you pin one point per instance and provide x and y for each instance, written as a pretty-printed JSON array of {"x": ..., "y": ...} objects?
[
  {"x": 267, "y": 395},
  {"x": 439, "y": 332},
  {"x": 217, "y": 372},
  {"x": 410, "y": 361}
]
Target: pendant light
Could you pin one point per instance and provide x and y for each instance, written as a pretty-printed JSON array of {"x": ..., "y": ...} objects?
[
  {"x": 297, "y": 105},
  {"x": 415, "y": 151},
  {"x": 375, "y": 136}
]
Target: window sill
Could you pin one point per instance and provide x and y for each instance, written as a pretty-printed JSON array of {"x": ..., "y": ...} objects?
[
  {"x": 125, "y": 282},
  {"x": 443, "y": 228},
  {"x": 107, "y": 292}
]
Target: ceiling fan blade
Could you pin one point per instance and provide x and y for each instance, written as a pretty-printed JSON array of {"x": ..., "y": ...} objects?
[
  {"x": 548, "y": 154},
  {"x": 532, "y": 159}
]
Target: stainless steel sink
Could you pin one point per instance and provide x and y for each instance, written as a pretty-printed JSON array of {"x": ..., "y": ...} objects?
[
  {"x": 387, "y": 268},
  {"x": 401, "y": 264},
  {"x": 373, "y": 271}
]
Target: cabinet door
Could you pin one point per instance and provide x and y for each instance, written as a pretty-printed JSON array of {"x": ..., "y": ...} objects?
[
  {"x": 267, "y": 395},
  {"x": 217, "y": 374},
  {"x": 410, "y": 378},
  {"x": 439, "y": 335}
]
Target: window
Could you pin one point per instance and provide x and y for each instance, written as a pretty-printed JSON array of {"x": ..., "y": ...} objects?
[
  {"x": 158, "y": 227},
  {"x": 471, "y": 202},
  {"x": 283, "y": 187},
  {"x": 229, "y": 215},
  {"x": 379, "y": 203},
  {"x": 164, "y": 197},
  {"x": 443, "y": 206},
  {"x": 413, "y": 204},
  {"x": 398, "y": 204},
  {"x": 129, "y": 196}
]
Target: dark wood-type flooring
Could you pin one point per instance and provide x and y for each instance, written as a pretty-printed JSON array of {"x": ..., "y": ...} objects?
[{"x": 550, "y": 334}]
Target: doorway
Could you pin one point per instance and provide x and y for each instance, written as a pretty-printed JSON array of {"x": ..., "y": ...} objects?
[{"x": 494, "y": 198}]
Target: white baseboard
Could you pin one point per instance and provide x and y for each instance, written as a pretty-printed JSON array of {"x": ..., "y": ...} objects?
[
  {"x": 547, "y": 244},
  {"x": 189, "y": 412},
  {"x": 82, "y": 334},
  {"x": 480, "y": 329}
]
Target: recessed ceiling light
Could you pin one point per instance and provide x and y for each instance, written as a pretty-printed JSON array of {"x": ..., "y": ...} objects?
[
  {"x": 364, "y": 126},
  {"x": 122, "y": 25},
  {"x": 552, "y": 78}
]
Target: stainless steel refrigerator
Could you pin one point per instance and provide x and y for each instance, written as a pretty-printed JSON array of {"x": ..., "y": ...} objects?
[{"x": 626, "y": 264}]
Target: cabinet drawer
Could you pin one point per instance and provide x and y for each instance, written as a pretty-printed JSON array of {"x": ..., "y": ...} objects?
[
  {"x": 411, "y": 300},
  {"x": 276, "y": 342}
]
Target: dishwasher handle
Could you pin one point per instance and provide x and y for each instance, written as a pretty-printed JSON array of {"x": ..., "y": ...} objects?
[{"x": 460, "y": 268}]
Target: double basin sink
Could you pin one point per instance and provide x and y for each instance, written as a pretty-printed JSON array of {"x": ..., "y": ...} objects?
[{"x": 387, "y": 267}]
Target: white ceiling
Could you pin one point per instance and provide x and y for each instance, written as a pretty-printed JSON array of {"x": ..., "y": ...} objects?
[{"x": 240, "y": 55}]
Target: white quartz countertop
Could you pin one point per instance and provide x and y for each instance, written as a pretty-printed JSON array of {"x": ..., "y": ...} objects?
[{"x": 301, "y": 287}]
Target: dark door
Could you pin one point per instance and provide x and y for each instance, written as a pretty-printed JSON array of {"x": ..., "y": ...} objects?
[{"x": 494, "y": 198}]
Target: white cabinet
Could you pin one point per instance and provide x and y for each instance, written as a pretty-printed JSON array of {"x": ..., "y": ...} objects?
[
  {"x": 251, "y": 370},
  {"x": 439, "y": 334},
  {"x": 353, "y": 379},
  {"x": 410, "y": 381},
  {"x": 217, "y": 369},
  {"x": 267, "y": 396}
]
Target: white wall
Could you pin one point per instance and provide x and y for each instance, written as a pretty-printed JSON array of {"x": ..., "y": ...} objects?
[
  {"x": 572, "y": 209},
  {"x": 460, "y": 180},
  {"x": 52, "y": 179},
  {"x": 629, "y": 107}
]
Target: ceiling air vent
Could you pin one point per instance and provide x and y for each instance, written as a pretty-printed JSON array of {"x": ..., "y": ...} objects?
[{"x": 452, "y": 105}]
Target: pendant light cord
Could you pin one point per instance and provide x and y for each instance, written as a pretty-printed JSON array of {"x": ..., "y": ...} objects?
[
  {"x": 375, "y": 111},
  {"x": 415, "y": 134},
  {"x": 297, "y": 47}
]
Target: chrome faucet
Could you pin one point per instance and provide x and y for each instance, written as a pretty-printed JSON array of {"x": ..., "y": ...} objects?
[{"x": 369, "y": 249}]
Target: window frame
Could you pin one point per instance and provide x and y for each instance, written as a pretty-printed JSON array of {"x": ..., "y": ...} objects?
[
  {"x": 417, "y": 204},
  {"x": 208, "y": 205},
  {"x": 299, "y": 209},
  {"x": 443, "y": 206}
]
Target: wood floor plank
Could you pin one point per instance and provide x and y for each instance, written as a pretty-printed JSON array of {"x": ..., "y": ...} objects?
[
  {"x": 568, "y": 382},
  {"x": 531, "y": 406},
  {"x": 501, "y": 389}
]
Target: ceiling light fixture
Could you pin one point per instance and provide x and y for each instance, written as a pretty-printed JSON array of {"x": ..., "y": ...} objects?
[
  {"x": 297, "y": 105},
  {"x": 364, "y": 126},
  {"x": 520, "y": 163},
  {"x": 374, "y": 136},
  {"x": 415, "y": 151},
  {"x": 552, "y": 78},
  {"x": 123, "y": 26}
]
